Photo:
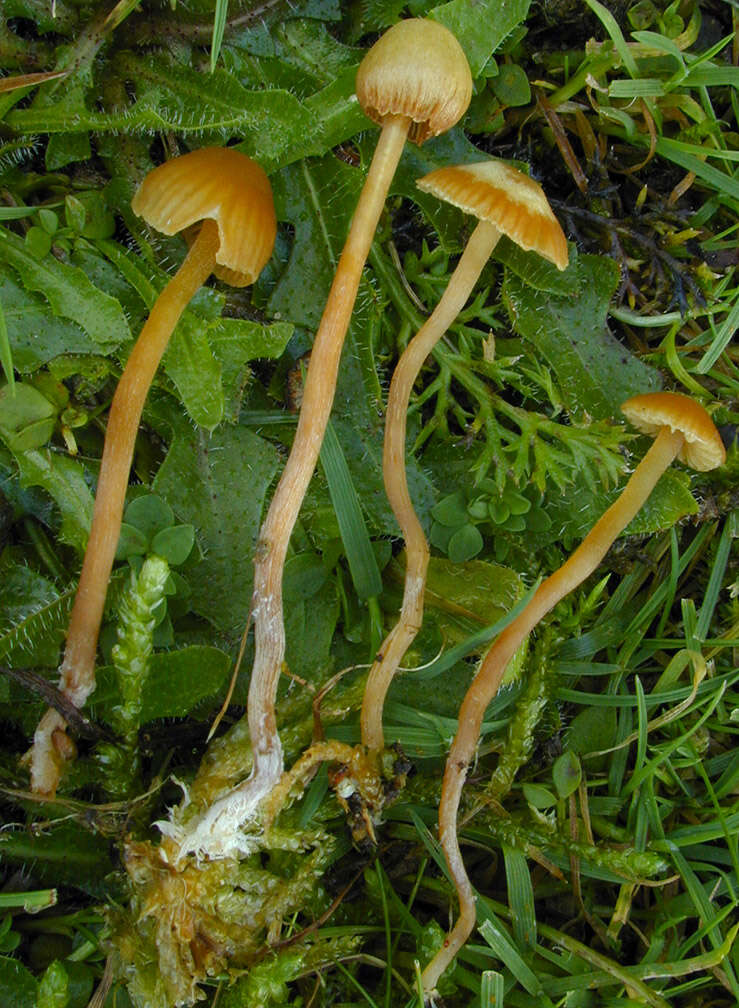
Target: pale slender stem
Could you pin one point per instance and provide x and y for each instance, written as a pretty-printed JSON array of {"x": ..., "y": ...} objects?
[
  {"x": 461, "y": 284},
  {"x": 486, "y": 683},
  {"x": 78, "y": 667},
  {"x": 318, "y": 394}
]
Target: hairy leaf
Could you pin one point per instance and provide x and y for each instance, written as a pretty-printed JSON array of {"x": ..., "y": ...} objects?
[
  {"x": 32, "y": 616},
  {"x": 34, "y": 336},
  {"x": 595, "y": 372},
  {"x": 217, "y": 483},
  {"x": 238, "y": 342},
  {"x": 62, "y": 477},
  {"x": 68, "y": 291},
  {"x": 481, "y": 25},
  {"x": 18, "y": 987}
]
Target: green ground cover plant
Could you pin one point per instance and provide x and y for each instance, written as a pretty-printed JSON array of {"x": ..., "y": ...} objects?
[{"x": 599, "y": 823}]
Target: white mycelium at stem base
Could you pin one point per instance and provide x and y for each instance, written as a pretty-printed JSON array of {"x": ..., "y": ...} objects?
[
  {"x": 506, "y": 202},
  {"x": 232, "y": 196},
  {"x": 415, "y": 82},
  {"x": 685, "y": 430}
]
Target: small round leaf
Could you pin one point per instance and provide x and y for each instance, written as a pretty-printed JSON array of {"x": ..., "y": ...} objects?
[
  {"x": 174, "y": 544},
  {"x": 465, "y": 544},
  {"x": 567, "y": 774},
  {"x": 150, "y": 514}
]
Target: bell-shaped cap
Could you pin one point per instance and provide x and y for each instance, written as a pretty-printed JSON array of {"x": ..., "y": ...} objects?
[
  {"x": 416, "y": 69},
  {"x": 703, "y": 448},
  {"x": 503, "y": 196},
  {"x": 223, "y": 185}
]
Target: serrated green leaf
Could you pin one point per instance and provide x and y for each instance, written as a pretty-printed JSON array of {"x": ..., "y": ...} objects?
[
  {"x": 68, "y": 292},
  {"x": 218, "y": 484},
  {"x": 188, "y": 360},
  {"x": 177, "y": 681},
  {"x": 65, "y": 853},
  {"x": 32, "y": 614},
  {"x": 594, "y": 371},
  {"x": 538, "y": 272},
  {"x": 18, "y": 987},
  {"x": 481, "y": 25},
  {"x": 318, "y": 197},
  {"x": 276, "y": 126},
  {"x": 62, "y": 477},
  {"x": 27, "y": 417},
  {"x": 190, "y": 363},
  {"x": 28, "y": 318},
  {"x": 238, "y": 342},
  {"x": 309, "y": 630}
]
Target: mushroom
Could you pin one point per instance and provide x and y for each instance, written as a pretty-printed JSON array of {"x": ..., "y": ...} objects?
[
  {"x": 231, "y": 195},
  {"x": 683, "y": 430},
  {"x": 415, "y": 83},
  {"x": 505, "y": 201}
]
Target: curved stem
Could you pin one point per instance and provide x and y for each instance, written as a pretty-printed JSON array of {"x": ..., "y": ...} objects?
[
  {"x": 271, "y": 549},
  {"x": 476, "y": 254},
  {"x": 486, "y": 683},
  {"x": 78, "y": 667}
]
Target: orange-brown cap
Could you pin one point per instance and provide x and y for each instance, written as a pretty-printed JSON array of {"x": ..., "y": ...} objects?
[
  {"x": 223, "y": 185},
  {"x": 703, "y": 448},
  {"x": 509, "y": 200},
  {"x": 416, "y": 69}
]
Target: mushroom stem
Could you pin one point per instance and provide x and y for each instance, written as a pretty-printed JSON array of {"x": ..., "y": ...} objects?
[
  {"x": 271, "y": 549},
  {"x": 78, "y": 667},
  {"x": 486, "y": 683},
  {"x": 471, "y": 264}
]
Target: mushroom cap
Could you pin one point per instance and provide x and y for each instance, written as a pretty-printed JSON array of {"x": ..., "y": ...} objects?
[
  {"x": 703, "y": 448},
  {"x": 225, "y": 186},
  {"x": 416, "y": 69},
  {"x": 503, "y": 196}
]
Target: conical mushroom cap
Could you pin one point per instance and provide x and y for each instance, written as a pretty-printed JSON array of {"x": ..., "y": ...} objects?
[
  {"x": 509, "y": 200},
  {"x": 416, "y": 69},
  {"x": 703, "y": 448},
  {"x": 223, "y": 185}
]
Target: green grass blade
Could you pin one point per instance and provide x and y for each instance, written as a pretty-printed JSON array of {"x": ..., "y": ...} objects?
[
  {"x": 611, "y": 26},
  {"x": 520, "y": 898},
  {"x": 219, "y": 25},
  {"x": 506, "y": 952},
  {"x": 6, "y": 352},
  {"x": 492, "y": 990},
  {"x": 362, "y": 563}
]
